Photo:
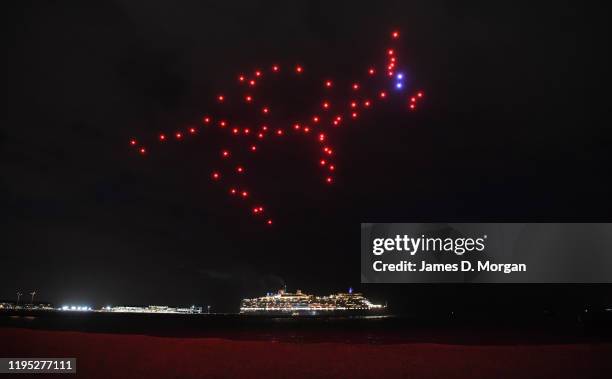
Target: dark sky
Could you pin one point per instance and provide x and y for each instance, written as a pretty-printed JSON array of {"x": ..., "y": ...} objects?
[{"x": 513, "y": 129}]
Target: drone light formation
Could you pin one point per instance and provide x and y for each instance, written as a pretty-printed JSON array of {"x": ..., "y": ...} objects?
[{"x": 377, "y": 82}]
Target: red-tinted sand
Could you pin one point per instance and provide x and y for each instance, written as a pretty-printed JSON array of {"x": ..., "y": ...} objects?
[{"x": 136, "y": 356}]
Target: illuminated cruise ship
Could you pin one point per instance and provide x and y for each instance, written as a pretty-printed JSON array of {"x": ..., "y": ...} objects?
[{"x": 299, "y": 303}]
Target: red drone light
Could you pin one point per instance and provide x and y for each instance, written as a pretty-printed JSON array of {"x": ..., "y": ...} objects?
[
  {"x": 329, "y": 179},
  {"x": 371, "y": 71},
  {"x": 299, "y": 69},
  {"x": 222, "y": 123},
  {"x": 395, "y": 34},
  {"x": 355, "y": 86},
  {"x": 275, "y": 68},
  {"x": 178, "y": 135},
  {"x": 225, "y": 153},
  {"x": 162, "y": 137},
  {"x": 206, "y": 120},
  {"x": 265, "y": 110},
  {"x": 253, "y": 148},
  {"x": 269, "y": 222},
  {"x": 221, "y": 98},
  {"x": 133, "y": 142},
  {"x": 142, "y": 150},
  {"x": 192, "y": 130},
  {"x": 328, "y": 83},
  {"x": 216, "y": 175},
  {"x": 239, "y": 169},
  {"x": 252, "y": 83},
  {"x": 244, "y": 194}
]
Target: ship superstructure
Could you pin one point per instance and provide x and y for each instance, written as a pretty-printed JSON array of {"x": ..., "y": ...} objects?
[{"x": 299, "y": 303}]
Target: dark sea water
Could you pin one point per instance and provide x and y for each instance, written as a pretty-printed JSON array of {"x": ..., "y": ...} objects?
[{"x": 356, "y": 329}]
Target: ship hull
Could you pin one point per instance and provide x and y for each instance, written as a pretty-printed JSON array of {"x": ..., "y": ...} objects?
[{"x": 313, "y": 313}]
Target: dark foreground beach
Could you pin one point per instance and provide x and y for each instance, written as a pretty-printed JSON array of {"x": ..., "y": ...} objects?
[{"x": 103, "y": 355}]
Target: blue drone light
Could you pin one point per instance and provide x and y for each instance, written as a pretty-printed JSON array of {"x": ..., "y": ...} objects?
[{"x": 399, "y": 84}]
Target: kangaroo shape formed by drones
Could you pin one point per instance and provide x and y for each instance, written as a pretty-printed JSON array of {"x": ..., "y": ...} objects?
[{"x": 363, "y": 95}]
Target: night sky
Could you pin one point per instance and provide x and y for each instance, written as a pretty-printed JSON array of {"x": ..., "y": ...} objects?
[{"x": 513, "y": 129}]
